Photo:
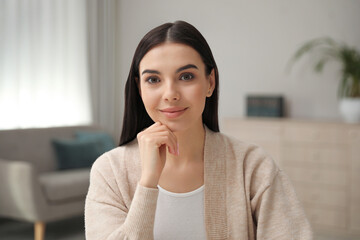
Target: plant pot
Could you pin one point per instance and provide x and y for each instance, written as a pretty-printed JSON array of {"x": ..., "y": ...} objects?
[{"x": 350, "y": 109}]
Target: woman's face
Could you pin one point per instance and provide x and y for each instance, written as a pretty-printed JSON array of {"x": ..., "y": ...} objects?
[{"x": 174, "y": 86}]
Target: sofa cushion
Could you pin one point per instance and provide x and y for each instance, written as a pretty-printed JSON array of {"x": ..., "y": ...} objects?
[
  {"x": 77, "y": 153},
  {"x": 105, "y": 138},
  {"x": 67, "y": 185},
  {"x": 34, "y": 145}
]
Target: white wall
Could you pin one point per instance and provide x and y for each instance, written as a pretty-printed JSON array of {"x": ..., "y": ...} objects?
[{"x": 252, "y": 41}]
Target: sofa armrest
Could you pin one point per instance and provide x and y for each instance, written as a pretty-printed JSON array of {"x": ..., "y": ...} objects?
[{"x": 20, "y": 193}]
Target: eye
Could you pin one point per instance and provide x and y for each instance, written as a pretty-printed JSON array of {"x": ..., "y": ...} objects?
[
  {"x": 187, "y": 76},
  {"x": 152, "y": 80}
]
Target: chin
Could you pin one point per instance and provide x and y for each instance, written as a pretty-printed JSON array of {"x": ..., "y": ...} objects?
[{"x": 175, "y": 126}]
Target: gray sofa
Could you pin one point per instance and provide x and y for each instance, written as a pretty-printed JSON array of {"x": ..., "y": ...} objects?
[{"x": 31, "y": 187}]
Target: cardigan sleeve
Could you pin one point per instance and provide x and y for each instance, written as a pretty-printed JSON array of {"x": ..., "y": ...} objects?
[
  {"x": 279, "y": 214},
  {"x": 107, "y": 216}
]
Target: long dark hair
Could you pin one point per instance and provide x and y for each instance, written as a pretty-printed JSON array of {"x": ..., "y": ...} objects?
[{"x": 135, "y": 115}]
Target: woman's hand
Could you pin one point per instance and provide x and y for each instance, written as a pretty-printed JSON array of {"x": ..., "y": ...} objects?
[{"x": 152, "y": 145}]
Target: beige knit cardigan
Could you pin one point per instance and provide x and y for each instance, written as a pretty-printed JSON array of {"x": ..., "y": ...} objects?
[{"x": 246, "y": 195}]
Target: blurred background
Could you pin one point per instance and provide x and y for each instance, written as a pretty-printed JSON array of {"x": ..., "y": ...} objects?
[{"x": 63, "y": 68}]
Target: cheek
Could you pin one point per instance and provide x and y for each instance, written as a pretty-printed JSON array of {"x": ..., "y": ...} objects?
[
  {"x": 149, "y": 98},
  {"x": 197, "y": 95},
  {"x": 150, "y": 103}
]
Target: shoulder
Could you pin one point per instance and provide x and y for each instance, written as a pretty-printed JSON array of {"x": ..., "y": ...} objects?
[
  {"x": 255, "y": 163},
  {"x": 116, "y": 173}
]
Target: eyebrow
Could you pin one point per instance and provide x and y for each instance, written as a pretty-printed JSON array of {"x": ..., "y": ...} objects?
[{"x": 179, "y": 69}]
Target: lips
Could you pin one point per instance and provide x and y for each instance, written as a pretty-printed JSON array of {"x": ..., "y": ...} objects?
[
  {"x": 173, "y": 112},
  {"x": 173, "y": 109}
]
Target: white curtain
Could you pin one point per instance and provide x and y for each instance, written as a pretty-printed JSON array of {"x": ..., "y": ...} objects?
[
  {"x": 44, "y": 63},
  {"x": 105, "y": 84}
]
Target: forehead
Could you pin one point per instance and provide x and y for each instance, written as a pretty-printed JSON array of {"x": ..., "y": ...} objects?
[{"x": 170, "y": 55}]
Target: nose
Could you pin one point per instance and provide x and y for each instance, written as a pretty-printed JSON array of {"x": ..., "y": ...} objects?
[{"x": 171, "y": 92}]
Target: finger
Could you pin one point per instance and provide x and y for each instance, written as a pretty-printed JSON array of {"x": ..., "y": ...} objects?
[
  {"x": 158, "y": 127},
  {"x": 169, "y": 142},
  {"x": 149, "y": 129},
  {"x": 176, "y": 144},
  {"x": 172, "y": 139},
  {"x": 158, "y": 139}
]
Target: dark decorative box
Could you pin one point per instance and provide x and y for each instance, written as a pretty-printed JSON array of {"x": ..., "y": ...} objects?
[{"x": 265, "y": 106}]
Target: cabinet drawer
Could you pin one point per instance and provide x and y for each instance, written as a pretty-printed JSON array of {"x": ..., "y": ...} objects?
[
  {"x": 272, "y": 148},
  {"x": 326, "y": 217},
  {"x": 355, "y": 218},
  {"x": 319, "y": 157},
  {"x": 315, "y": 133},
  {"x": 319, "y": 177},
  {"x": 355, "y": 191},
  {"x": 355, "y": 155},
  {"x": 317, "y": 196},
  {"x": 252, "y": 131},
  {"x": 354, "y": 134},
  {"x": 355, "y": 159}
]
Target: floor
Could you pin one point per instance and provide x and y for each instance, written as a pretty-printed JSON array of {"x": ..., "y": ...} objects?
[{"x": 73, "y": 229}]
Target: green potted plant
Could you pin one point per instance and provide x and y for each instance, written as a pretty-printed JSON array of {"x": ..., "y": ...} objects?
[{"x": 327, "y": 49}]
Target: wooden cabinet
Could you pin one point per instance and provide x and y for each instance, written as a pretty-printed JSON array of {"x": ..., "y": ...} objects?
[
  {"x": 322, "y": 160},
  {"x": 354, "y": 134}
]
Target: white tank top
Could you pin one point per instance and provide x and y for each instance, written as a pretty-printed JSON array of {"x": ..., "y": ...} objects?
[{"x": 180, "y": 216}]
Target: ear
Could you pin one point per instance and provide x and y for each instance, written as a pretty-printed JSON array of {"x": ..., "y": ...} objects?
[
  {"x": 138, "y": 84},
  {"x": 211, "y": 79}
]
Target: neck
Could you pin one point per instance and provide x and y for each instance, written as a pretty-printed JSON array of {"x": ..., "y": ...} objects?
[{"x": 191, "y": 146}]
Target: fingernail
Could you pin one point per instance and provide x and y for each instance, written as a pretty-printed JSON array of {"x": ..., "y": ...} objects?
[{"x": 178, "y": 153}]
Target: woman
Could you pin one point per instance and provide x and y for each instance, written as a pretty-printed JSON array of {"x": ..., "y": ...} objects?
[{"x": 175, "y": 176}]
